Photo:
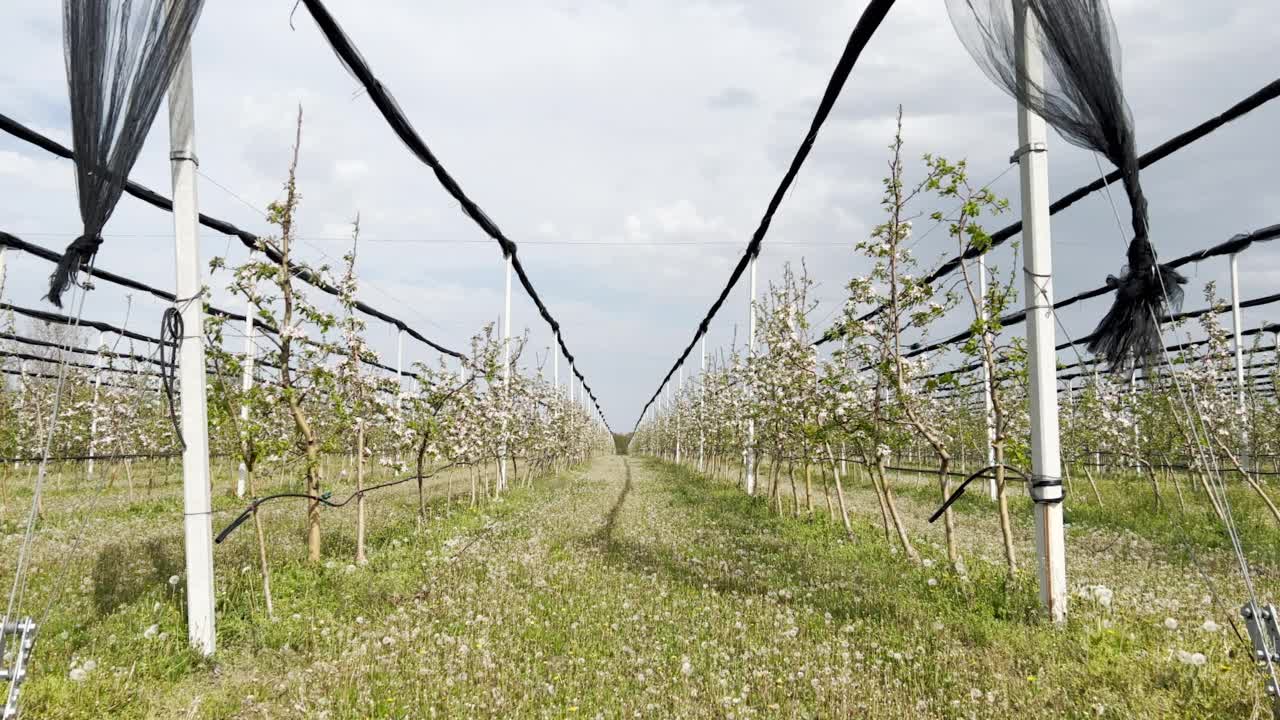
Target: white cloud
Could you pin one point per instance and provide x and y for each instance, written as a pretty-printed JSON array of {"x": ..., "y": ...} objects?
[{"x": 636, "y": 125}]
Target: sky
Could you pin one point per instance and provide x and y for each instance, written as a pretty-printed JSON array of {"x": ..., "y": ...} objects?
[{"x": 629, "y": 149}]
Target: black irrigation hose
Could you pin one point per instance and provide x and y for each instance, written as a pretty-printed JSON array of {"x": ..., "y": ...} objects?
[
  {"x": 1266, "y": 94},
  {"x": 960, "y": 490},
  {"x": 171, "y": 329},
  {"x": 865, "y": 28},
  {"x": 323, "y": 499},
  {"x": 103, "y": 458},
  {"x": 386, "y": 104}
]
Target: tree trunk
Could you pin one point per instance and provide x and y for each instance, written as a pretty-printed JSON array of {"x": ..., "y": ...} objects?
[
  {"x": 808, "y": 487},
  {"x": 795, "y": 495},
  {"x": 1002, "y": 500},
  {"x": 948, "y": 518},
  {"x": 360, "y": 557},
  {"x": 262, "y": 549},
  {"x": 774, "y": 497},
  {"x": 844, "y": 512},
  {"x": 1155, "y": 484},
  {"x": 907, "y": 548},
  {"x": 475, "y": 472},
  {"x": 1170, "y": 476},
  {"x": 313, "y": 505},
  {"x": 826, "y": 491},
  {"x": 422, "y": 498}
]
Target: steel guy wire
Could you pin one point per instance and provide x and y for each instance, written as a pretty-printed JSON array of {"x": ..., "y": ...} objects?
[
  {"x": 19, "y": 577},
  {"x": 1204, "y": 446}
]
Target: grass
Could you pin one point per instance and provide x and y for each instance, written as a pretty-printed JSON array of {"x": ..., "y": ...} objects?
[{"x": 633, "y": 588}]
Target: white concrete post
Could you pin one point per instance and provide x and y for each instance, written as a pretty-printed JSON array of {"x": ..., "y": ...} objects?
[
  {"x": 702, "y": 410},
  {"x": 750, "y": 470},
  {"x": 246, "y": 384},
  {"x": 93, "y": 421},
  {"x": 555, "y": 362},
  {"x": 399, "y": 371},
  {"x": 675, "y": 406},
  {"x": 1046, "y": 461},
  {"x": 506, "y": 371},
  {"x": 1237, "y": 322},
  {"x": 197, "y": 518}
]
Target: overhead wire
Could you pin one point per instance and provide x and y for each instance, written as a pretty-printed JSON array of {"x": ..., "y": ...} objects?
[
  {"x": 1264, "y": 95},
  {"x": 381, "y": 96},
  {"x": 861, "y": 35},
  {"x": 246, "y": 238}
]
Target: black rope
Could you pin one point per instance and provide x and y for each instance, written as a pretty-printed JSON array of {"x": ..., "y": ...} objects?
[
  {"x": 1020, "y": 316},
  {"x": 1268, "y": 93},
  {"x": 80, "y": 350},
  {"x": 386, "y": 104},
  {"x": 1232, "y": 246},
  {"x": 862, "y": 32},
  {"x": 246, "y": 238},
  {"x": 12, "y": 241},
  {"x": 57, "y": 319},
  {"x": 171, "y": 329},
  {"x": 1176, "y": 347}
]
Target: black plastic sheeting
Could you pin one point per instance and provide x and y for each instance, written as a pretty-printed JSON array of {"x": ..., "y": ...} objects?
[
  {"x": 386, "y": 104},
  {"x": 866, "y": 26},
  {"x": 1080, "y": 94},
  {"x": 120, "y": 57}
]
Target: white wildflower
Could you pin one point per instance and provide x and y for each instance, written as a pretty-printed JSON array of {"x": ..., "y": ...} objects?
[{"x": 1193, "y": 659}]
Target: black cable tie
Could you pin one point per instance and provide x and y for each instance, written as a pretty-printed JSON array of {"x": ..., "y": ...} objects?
[{"x": 1046, "y": 490}]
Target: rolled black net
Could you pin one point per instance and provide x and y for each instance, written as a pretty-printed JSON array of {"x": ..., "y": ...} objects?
[
  {"x": 120, "y": 56},
  {"x": 1081, "y": 97}
]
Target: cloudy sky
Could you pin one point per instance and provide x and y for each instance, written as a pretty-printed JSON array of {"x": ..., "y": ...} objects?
[{"x": 629, "y": 148}]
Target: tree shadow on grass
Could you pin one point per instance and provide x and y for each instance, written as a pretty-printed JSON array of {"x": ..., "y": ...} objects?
[
  {"x": 124, "y": 571},
  {"x": 747, "y": 524},
  {"x": 604, "y": 536}
]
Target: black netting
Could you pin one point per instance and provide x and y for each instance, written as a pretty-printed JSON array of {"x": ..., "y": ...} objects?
[
  {"x": 1081, "y": 97},
  {"x": 120, "y": 56}
]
